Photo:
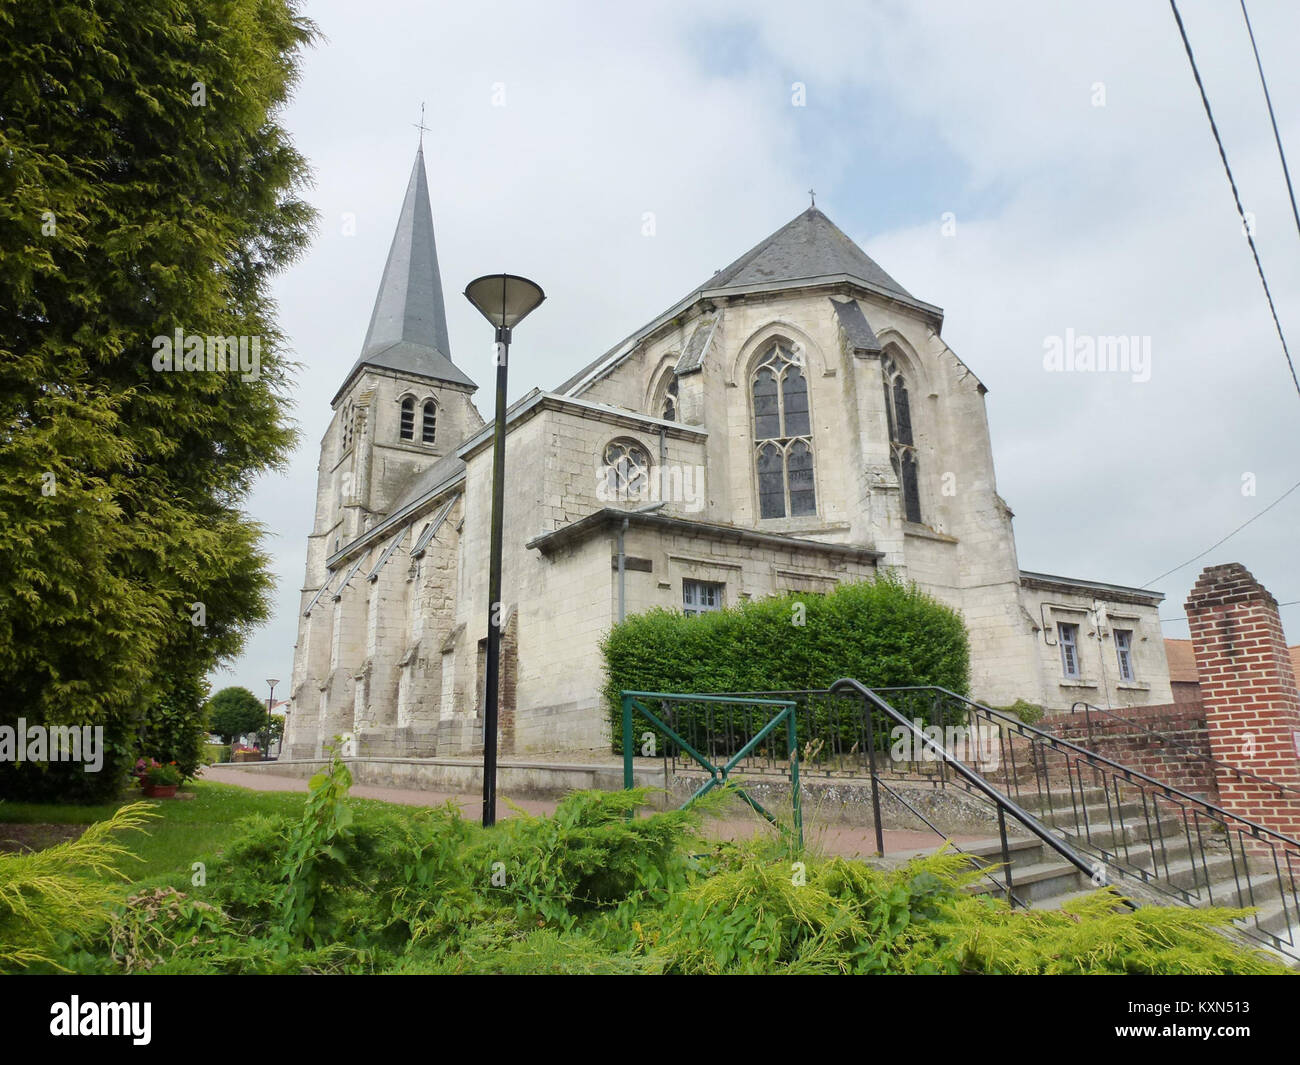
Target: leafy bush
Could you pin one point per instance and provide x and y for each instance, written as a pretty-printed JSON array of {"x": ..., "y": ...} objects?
[
  {"x": 1029, "y": 713},
  {"x": 880, "y": 632},
  {"x": 174, "y": 729},
  {"x": 595, "y": 889}
]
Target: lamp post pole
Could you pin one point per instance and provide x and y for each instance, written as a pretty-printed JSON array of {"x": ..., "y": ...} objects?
[
  {"x": 504, "y": 300},
  {"x": 270, "y": 701},
  {"x": 491, "y": 713}
]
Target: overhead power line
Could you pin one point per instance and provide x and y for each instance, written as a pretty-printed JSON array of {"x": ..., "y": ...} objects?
[
  {"x": 1219, "y": 543},
  {"x": 1187, "y": 46},
  {"x": 1277, "y": 137}
]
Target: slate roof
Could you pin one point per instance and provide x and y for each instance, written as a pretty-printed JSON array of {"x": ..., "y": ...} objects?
[
  {"x": 692, "y": 357},
  {"x": 808, "y": 246},
  {"x": 408, "y": 327},
  {"x": 805, "y": 249},
  {"x": 856, "y": 328}
]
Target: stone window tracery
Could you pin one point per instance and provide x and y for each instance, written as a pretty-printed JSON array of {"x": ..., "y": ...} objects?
[
  {"x": 783, "y": 451},
  {"x": 902, "y": 447}
]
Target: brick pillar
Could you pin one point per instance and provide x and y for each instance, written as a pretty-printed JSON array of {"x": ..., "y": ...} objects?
[{"x": 1248, "y": 692}]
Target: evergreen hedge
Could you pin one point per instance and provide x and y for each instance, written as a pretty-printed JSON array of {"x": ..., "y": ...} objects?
[{"x": 880, "y": 632}]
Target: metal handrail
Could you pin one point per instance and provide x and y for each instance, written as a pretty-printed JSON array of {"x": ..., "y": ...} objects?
[
  {"x": 1136, "y": 822},
  {"x": 1134, "y": 775},
  {"x": 1239, "y": 772},
  {"x": 1003, "y": 803},
  {"x": 903, "y": 801}
]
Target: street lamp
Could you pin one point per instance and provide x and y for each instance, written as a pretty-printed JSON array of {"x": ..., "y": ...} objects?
[
  {"x": 270, "y": 700},
  {"x": 504, "y": 300}
]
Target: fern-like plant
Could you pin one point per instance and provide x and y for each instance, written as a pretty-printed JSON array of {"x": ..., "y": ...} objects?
[{"x": 62, "y": 888}]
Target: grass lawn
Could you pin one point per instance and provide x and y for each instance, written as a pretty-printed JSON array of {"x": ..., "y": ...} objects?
[{"x": 185, "y": 832}]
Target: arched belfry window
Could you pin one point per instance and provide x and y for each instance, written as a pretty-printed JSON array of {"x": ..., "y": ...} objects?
[
  {"x": 783, "y": 451},
  {"x": 408, "y": 418},
  {"x": 429, "y": 427},
  {"x": 669, "y": 412},
  {"x": 626, "y": 470},
  {"x": 902, "y": 447},
  {"x": 349, "y": 423}
]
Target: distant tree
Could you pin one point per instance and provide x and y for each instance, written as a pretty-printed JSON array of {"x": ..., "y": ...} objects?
[
  {"x": 235, "y": 711},
  {"x": 147, "y": 191}
]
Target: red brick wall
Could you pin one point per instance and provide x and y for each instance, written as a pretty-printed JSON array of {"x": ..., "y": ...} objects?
[
  {"x": 1248, "y": 692},
  {"x": 1177, "y": 756}
]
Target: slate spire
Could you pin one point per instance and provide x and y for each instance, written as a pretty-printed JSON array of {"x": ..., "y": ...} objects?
[{"x": 408, "y": 326}]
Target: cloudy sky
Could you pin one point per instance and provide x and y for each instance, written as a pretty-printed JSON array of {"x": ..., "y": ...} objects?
[{"x": 1067, "y": 142}]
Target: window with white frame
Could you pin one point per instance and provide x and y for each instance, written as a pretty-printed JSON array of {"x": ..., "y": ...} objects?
[
  {"x": 1124, "y": 652},
  {"x": 701, "y": 597},
  {"x": 1068, "y": 636}
]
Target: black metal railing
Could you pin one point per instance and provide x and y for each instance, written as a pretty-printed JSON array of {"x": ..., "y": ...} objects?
[
  {"x": 848, "y": 731},
  {"x": 875, "y": 709},
  {"x": 835, "y": 738},
  {"x": 1169, "y": 741},
  {"x": 1179, "y": 845}
]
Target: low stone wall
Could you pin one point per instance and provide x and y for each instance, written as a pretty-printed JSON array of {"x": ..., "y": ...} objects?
[
  {"x": 527, "y": 780},
  {"x": 837, "y": 801}
]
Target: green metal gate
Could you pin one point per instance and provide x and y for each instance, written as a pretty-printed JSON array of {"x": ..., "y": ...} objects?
[{"x": 719, "y": 772}]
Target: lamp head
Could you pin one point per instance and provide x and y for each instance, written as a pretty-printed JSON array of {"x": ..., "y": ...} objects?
[{"x": 505, "y": 300}]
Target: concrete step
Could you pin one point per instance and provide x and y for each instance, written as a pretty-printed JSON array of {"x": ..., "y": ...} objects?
[
  {"x": 988, "y": 852},
  {"x": 1042, "y": 880}
]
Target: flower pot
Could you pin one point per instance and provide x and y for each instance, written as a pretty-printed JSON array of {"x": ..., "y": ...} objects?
[{"x": 159, "y": 791}]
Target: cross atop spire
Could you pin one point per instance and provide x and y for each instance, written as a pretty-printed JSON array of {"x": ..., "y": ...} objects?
[
  {"x": 813, "y": 194},
  {"x": 408, "y": 327},
  {"x": 420, "y": 125}
]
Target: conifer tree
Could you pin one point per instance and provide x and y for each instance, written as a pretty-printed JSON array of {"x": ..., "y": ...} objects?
[{"x": 147, "y": 191}]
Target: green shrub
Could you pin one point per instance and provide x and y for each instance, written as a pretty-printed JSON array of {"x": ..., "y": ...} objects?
[
  {"x": 882, "y": 633},
  {"x": 351, "y": 888},
  {"x": 175, "y": 728},
  {"x": 1029, "y": 713},
  {"x": 49, "y": 893}
]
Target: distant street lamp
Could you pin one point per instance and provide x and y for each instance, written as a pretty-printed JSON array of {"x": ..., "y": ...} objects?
[
  {"x": 504, "y": 300},
  {"x": 270, "y": 700}
]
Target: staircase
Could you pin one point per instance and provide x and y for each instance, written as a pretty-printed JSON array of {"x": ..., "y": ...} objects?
[
  {"x": 1077, "y": 821},
  {"x": 1041, "y": 879}
]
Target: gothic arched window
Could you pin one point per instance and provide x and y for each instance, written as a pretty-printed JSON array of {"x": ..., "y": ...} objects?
[
  {"x": 626, "y": 470},
  {"x": 408, "y": 418},
  {"x": 670, "y": 400},
  {"x": 349, "y": 420},
  {"x": 902, "y": 448},
  {"x": 430, "y": 427},
  {"x": 783, "y": 451}
]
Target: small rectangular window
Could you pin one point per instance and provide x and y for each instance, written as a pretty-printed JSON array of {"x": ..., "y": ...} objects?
[
  {"x": 1068, "y": 637},
  {"x": 701, "y": 597},
  {"x": 1124, "y": 652}
]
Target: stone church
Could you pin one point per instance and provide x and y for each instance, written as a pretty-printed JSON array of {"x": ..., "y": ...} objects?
[{"x": 795, "y": 421}]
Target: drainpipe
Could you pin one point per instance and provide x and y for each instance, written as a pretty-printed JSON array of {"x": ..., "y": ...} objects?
[{"x": 622, "y": 556}]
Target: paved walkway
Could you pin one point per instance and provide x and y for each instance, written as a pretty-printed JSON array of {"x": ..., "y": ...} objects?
[{"x": 849, "y": 841}]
